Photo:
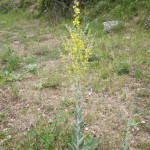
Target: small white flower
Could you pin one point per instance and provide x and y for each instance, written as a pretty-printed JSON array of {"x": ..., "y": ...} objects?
[
  {"x": 143, "y": 122},
  {"x": 9, "y": 136},
  {"x": 43, "y": 115},
  {"x": 5, "y": 130},
  {"x": 86, "y": 129},
  {"x": 90, "y": 91}
]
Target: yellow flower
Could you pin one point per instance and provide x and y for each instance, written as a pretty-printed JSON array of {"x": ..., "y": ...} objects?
[
  {"x": 76, "y": 22},
  {"x": 77, "y": 3},
  {"x": 81, "y": 57},
  {"x": 77, "y": 11},
  {"x": 63, "y": 57},
  {"x": 81, "y": 44},
  {"x": 66, "y": 48}
]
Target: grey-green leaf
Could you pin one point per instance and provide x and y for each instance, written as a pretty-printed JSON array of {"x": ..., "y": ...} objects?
[{"x": 91, "y": 144}]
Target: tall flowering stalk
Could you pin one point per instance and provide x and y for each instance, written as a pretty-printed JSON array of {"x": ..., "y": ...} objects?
[{"x": 77, "y": 49}]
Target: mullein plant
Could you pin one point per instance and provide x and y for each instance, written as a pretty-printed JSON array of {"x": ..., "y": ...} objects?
[{"x": 78, "y": 49}]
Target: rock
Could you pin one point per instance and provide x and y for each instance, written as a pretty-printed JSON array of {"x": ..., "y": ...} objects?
[
  {"x": 147, "y": 22},
  {"x": 110, "y": 25}
]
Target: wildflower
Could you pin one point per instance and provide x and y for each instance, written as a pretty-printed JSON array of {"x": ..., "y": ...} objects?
[
  {"x": 77, "y": 11},
  {"x": 66, "y": 48},
  {"x": 77, "y": 50},
  {"x": 76, "y": 66},
  {"x": 77, "y": 3},
  {"x": 76, "y": 22},
  {"x": 63, "y": 57}
]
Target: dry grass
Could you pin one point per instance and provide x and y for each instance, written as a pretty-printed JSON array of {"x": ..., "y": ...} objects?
[{"x": 107, "y": 111}]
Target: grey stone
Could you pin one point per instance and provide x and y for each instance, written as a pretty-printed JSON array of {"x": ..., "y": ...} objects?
[{"x": 110, "y": 25}]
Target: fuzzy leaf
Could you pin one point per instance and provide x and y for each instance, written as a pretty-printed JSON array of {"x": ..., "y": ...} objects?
[
  {"x": 126, "y": 147},
  {"x": 91, "y": 144},
  {"x": 70, "y": 147},
  {"x": 81, "y": 140}
]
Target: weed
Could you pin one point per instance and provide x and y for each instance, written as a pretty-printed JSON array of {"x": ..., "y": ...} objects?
[
  {"x": 54, "y": 53},
  {"x": 14, "y": 91},
  {"x": 15, "y": 76},
  {"x": 53, "y": 81},
  {"x": 102, "y": 85},
  {"x": 5, "y": 78},
  {"x": 68, "y": 102},
  {"x": 42, "y": 51},
  {"x": 25, "y": 3},
  {"x": 50, "y": 53},
  {"x": 41, "y": 39},
  {"x": 105, "y": 74},
  {"x": 32, "y": 68},
  {"x": 143, "y": 93},
  {"x": 138, "y": 74},
  {"x": 132, "y": 123},
  {"x": 123, "y": 68},
  {"x": 2, "y": 116},
  {"x": 39, "y": 86},
  {"x": 2, "y": 136},
  {"x": 78, "y": 49},
  {"x": 10, "y": 59},
  {"x": 144, "y": 146},
  {"x": 91, "y": 118},
  {"x": 48, "y": 135},
  {"x": 30, "y": 59},
  {"x": 7, "y": 6},
  {"x": 13, "y": 63}
]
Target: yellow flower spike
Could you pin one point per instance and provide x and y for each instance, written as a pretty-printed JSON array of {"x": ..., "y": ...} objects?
[{"x": 77, "y": 51}]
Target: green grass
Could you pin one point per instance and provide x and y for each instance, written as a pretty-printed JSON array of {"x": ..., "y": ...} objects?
[
  {"x": 10, "y": 60},
  {"x": 53, "y": 81},
  {"x": 116, "y": 54},
  {"x": 48, "y": 52},
  {"x": 123, "y": 68},
  {"x": 30, "y": 59},
  {"x": 14, "y": 91}
]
